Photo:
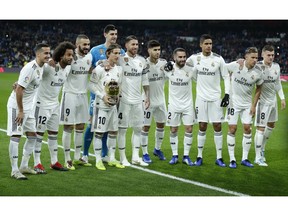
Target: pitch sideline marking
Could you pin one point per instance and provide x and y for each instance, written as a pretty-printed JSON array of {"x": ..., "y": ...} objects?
[{"x": 170, "y": 176}]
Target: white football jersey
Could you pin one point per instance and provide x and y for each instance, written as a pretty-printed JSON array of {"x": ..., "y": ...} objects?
[
  {"x": 243, "y": 83},
  {"x": 209, "y": 70},
  {"x": 272, "y": 82},
  {"x": 180, "y": 88},
  {"x": 156, "y": 79},
  {"x": 77, "y": 80},
  {"x": 29, "y": 78},
  {"x": 50, "y": 87},
  {"x": 100, "y": 77},
  {"x": 134, "y": 77}
]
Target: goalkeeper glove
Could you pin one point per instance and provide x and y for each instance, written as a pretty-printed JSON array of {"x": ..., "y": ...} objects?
[
  {"x": 168, "y": 66},
  {"x": 225, "y": 101}
]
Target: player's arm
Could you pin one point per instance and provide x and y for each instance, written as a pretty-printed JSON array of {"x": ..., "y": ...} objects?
[
  {"x": 19, "y": 98},
  {"x": 147, "y": 96},
  {"x": 255, "y": 100},
  {"x": 226, "y": 78},
  {"x": 279, "y": 89}
]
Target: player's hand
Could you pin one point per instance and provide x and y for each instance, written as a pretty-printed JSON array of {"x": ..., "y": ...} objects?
[
  {"x": 19, "y": 118},
  {"x": 225, "y": 101},
  {"x": 147, "y": 103},
  {"x": 283, "y": 104},
  {"x": 241, "y": 62},
  {"x": 14, "y": 86},
  {"x": 52, "y": 63},
  {"x": 168, "y": 66},
  {"x": 106, "y": 65},
  {"x": 252, "y": 111}
]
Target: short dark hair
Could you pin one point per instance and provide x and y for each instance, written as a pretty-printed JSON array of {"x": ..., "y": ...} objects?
[
  {"x": 61, "y": 49},
  {"x": 205, "y": 37},
  {"x": 179, "y": 49},
  {"x": 268, "y": 47},
  {"x": 153, "y": 43},
  {"x": 111, "y": 48},
  {"x": 81, "y": 36},
  {"x": 39, "y": 46},
  {"x": 109, "y": 27},
  {"x": 129, "y": 38}
]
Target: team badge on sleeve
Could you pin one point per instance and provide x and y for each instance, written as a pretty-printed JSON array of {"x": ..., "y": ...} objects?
[{"x": 198, "y": 60}]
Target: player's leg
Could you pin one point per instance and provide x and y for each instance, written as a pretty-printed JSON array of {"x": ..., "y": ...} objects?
[
  {"x": 246, "y": 120},
  {"x": 136, "y": 122},
  {"x": 81, "y": 118},
  {"x": 188, "y": 119},
  {"x": 232, "y": 115},
  {"x": 100, "y": 125},
  {"x": 15, "y": 132},
  {"x": 88, "y": 135},
  {"x": 42, "y": 117},
  {"x": 216, "y": 117},
  {"x": 67, "y": 118},
  {"x": 52, "y": 128},
  {"x": 123, "y": 117},
  {"x": 261, "y": 117},
  {"x": 201, "y": 108},
  {"x": 173, "y": 121},
  {"x": 273, "y": 117},
  {"x": 160, "y": 116},
  {"x": 29, "y": 127},
  {"x": 144, "y": 135},
  {"x": 112, "y": 127}
]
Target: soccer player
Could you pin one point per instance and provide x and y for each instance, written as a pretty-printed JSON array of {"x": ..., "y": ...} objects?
[
  {"x": 210, "y": 67},
  {"x": 130, "y": 106},
  {"x": 180, "y": 105},
  {"x": 105, "y": 84},
  {"x": 243, "y": 81},
  {"x": 20, "y": 115},
  {"x": 266, "y": 109},
  {"x": 74, "y": 102},
  {"x": 46, "y": 105},
  {"x": 99, "y": 53},
  {"x": 157, "y": 107}
]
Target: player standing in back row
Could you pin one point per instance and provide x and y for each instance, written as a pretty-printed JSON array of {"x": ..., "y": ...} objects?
[
  {"x": 209, "y": 67},
  {"x": 74, "y": 102}
]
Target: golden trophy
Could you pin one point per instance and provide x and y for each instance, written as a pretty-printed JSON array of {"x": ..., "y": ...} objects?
[{"x": 112, "y": 89}]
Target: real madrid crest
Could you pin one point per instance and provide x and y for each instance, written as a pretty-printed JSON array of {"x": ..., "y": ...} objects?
[
  {"x": 187, "y": 75},
  {"x": 213, "y": 64},
  {"x": 88, "y": 62},
  {"x": 126, "y": 60},
  {"x": 38, "y": 72},
  {"x": 101, "y": 51},
  {"x": 56, "y": 69},
  {"x": 252, "y": 77}
]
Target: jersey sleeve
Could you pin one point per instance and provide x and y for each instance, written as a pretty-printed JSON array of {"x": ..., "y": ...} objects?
[{"x": 25, "y": 77}]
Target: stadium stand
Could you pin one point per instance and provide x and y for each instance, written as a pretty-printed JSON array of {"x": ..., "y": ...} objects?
[{"x": 231, "y": 37}]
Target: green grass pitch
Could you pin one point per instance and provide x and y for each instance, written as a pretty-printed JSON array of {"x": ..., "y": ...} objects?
[{"x": 160, "y": 178}]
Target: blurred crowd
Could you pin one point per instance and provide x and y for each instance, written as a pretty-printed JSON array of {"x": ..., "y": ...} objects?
[{"x": 230, "y": 37}]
